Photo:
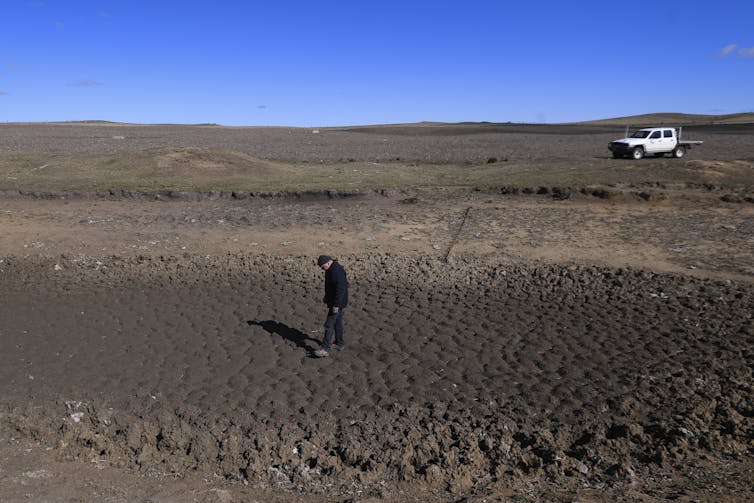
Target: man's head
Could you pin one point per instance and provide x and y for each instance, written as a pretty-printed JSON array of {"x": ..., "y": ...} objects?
[{"x": 324, "y": 262}]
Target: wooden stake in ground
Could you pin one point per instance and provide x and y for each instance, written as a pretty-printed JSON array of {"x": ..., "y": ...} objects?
[{"x": 458, "y": 234}]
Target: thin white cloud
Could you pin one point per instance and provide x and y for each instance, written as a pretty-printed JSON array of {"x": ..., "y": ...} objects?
[
  {"x": 85, "y": 83},
  {"x": 727, "y": 50},
  {"x": 746, "y": 52}
]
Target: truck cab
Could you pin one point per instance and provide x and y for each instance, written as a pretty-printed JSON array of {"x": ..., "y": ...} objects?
[{"x": 660, "y": 140}]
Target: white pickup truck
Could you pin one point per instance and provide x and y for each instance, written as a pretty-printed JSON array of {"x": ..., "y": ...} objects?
[{"x": 656, "y": 141}]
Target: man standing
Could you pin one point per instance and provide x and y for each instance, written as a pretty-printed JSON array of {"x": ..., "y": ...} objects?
[{"x": 336, "y": 298}]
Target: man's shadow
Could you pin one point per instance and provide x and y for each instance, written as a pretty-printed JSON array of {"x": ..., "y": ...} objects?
[{"x": 297, "y": 337}]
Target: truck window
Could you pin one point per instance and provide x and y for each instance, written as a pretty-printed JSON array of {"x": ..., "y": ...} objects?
[
  {"x": 640, "y": 134},
  {"x": 667, "y": 133},
  {"x": 655, "y": 134}
]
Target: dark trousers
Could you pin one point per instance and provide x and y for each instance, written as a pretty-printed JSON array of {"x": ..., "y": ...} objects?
[{"x": 333, "y": 327}]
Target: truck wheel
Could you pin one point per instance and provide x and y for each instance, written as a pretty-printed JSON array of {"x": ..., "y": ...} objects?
[
  {"x": 637, "y": 153},
  {"x": 679, "y": 152}
]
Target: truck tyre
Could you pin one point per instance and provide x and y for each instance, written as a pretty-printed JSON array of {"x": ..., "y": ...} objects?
[
  {"x": 679, "y": 152},
  {"x": 637, "y": 153}
]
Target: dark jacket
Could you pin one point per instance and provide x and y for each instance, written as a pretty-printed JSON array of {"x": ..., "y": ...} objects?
[{"x": 336, "y": 286}]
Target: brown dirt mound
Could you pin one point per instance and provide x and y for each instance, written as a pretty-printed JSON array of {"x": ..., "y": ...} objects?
[{"x": 212, "y": 163}]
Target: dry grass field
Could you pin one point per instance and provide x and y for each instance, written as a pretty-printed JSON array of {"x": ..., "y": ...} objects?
[{"x": 531, "y": 320}]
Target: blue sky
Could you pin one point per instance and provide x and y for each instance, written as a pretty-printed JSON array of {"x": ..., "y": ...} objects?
[{"x": 324, "y": 63}]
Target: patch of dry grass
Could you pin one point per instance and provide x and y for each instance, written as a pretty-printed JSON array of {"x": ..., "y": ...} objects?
[{"x": 204, "y": 169}]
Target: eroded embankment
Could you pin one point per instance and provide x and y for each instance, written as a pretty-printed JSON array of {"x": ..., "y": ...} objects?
[
  {"x": 635, "y": 192},
  {"x": 573, "y": 373}
]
